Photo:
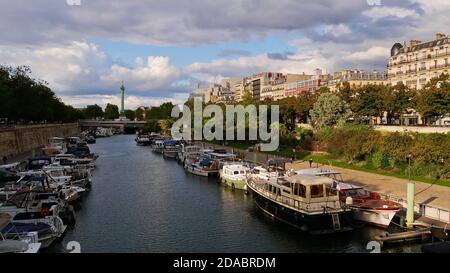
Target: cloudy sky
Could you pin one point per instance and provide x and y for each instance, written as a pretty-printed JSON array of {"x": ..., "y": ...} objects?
[{"x": 163, "y": 49}]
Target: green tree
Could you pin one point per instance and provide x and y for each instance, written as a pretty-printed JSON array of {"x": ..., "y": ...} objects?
[
  {"x": 140, "y": 114},
  {"x": 368, "y": 101},
  {"x": 434, "y": 99},
  {"x": 111, "y": 111},
  {"x": 24, "y": 99},
  {"x": 129, "y": 114},
  {"x": 151, "y": 126},
  {"x": 328, "y": 111},
  {"x": 93, "y": 111}
]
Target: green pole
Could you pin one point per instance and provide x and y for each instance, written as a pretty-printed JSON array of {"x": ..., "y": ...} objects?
[{"x": 410, "y": 197}]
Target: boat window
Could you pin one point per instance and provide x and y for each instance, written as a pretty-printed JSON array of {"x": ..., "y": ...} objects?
[
  {"x": 242, "y": 172},
  {"x": 300, "y": 190},
  {"x": 316, "y": 191},
  {"x": 330, "y": 191},
  {"x": 236, "y": 172}
]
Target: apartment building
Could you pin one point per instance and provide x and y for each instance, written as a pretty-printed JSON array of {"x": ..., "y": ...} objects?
[
  {"x": 262, "y": 80},
  {"x": 418, "y": 62},
  {"x": 298, "y": 87},
  {"x": 356, "y": 78}
]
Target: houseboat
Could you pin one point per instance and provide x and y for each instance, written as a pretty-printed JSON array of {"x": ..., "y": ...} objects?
[
  {"x": 303, "y": 201},
  {"x": 234, "y": 175}
]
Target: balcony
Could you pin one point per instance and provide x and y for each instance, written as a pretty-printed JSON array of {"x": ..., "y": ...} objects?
[{"x": 429, "y": 56}]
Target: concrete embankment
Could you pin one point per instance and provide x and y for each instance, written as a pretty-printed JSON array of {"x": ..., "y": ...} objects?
[{"x": 23, "y": 139}]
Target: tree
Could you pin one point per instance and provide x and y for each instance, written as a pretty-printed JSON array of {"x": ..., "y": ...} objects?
[
  {"x": 129, "y": 114},
  {"x": 140, "y": 114},
  {"x": 111, "y": 111},
  {"x": 328, "y": 111},
  {"x": 151, "y": 126},
  {"x": 395, "y": 101},
  {"x": 368, "y": 101},
  {"x": 434, "y": 99},
  {"x": 24, "y": 99},
  {"x": 93, "y": 111}
]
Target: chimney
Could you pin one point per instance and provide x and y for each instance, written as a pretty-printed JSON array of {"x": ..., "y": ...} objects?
[
  {"x": 439, "y": 36},
  {"x": 414, "y": 42}
]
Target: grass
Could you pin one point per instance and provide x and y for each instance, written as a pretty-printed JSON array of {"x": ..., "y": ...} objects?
[{"x": 327, "y": 160}]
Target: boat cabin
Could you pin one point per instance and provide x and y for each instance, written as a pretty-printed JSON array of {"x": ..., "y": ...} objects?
[{"x": 310, "y": 194}]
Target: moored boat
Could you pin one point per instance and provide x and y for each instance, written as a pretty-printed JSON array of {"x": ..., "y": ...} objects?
[
  {"x": 367, "y": 206},
  {"x": 234, "y": 175},
  {"x": 306, "y": 202},
  {"x": 158, "y": 146},
  {"x": 171, "y": 149},
  {"x": 202, "y": 166}
]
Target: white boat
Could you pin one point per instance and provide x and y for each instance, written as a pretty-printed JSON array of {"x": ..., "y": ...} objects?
[
  {"x": 202, "y": 166},
  {"x": 36, "y": 211},
  {"x": 158, "y": 146},
  {"x": 234, "y": 175},
  {"x": 367, "y": 206},
  {"x": 26, "y": 243},
  {"x": 188, "y": 151},
  {"x": 143, "y": 140},
  {"x": 56, "y": 145},
  {"x": 171, "y": 149}
]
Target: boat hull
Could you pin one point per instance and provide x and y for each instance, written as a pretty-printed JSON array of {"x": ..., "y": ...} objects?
[
  {"x": 238, "y": 184},
  {"x": 313, "y": 224},
  {"x": 201, "y": 172},
  {"x": 375, "y": 217}
]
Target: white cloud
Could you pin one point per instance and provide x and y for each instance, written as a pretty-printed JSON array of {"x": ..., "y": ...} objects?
[
  {"x": 378, "y": 12},
  {"x": 82, "y": 68},
  {"x": 337, "y": 30}
]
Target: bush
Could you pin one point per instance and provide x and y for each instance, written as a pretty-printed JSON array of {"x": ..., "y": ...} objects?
[{"x": 380, "y": 160}]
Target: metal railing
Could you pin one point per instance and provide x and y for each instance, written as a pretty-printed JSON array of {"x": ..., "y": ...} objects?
[
  {"x": 425, "y": 210},
  {"x": 310, "y": 207}
]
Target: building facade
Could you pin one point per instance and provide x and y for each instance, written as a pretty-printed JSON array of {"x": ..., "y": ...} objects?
[
  {"x": 356, "y": 78},
  {"x": 296, "y": 88},
  {"x": 418, "y": 62}
]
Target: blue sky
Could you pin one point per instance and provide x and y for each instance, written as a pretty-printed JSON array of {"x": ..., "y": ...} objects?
[{"x": 162, "y": 49}]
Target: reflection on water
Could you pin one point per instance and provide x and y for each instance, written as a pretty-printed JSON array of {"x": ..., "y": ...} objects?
[{"x": 140, "y": 202}]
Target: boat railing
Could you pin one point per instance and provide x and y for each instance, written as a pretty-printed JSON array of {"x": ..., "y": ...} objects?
[{"x": 309, "y": 207}]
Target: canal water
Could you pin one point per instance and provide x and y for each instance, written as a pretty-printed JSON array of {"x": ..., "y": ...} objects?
[{"x": 140, "y": 202}]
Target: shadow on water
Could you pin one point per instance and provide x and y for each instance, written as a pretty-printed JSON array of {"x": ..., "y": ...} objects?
[{"x": 140, "y": 202}]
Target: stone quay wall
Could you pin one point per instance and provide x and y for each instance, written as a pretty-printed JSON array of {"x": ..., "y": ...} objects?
[{"x": 23, "y": 139}]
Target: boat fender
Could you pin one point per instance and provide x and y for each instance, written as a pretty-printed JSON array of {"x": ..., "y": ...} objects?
[
  {"x": 233, "y": 187},
  {"x": 349, "y": 201}
]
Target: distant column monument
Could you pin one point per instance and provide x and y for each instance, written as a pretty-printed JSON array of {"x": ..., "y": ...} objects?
[{"x": 122, "y": 103}]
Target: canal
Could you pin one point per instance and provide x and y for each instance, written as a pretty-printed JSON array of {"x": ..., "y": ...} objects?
[{"x": 140, "y": 202}]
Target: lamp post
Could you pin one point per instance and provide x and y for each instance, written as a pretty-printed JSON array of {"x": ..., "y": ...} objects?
[{"x": 410, "y": 197}]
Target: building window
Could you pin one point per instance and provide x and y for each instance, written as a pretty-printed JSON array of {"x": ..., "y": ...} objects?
[{"x": 435, "y": 63}]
